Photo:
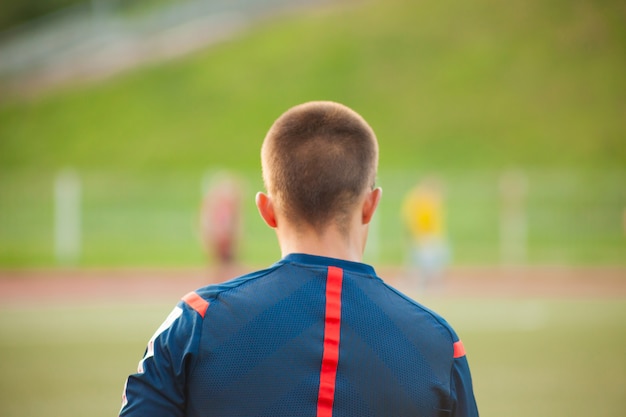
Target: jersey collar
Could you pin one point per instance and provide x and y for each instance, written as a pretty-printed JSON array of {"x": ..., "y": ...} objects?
[{"x": 303, "y": 258}]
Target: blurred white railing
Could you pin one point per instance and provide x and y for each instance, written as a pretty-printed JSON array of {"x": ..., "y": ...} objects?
[{"x": 97, "y": 39}]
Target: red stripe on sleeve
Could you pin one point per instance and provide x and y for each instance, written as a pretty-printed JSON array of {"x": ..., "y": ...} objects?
[
  {"x": 332, "y": 330},
  {"x": 196, "y": 302},
  {"x": 459, "y": 350}
]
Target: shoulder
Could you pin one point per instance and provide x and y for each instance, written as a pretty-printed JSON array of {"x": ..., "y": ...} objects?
[
  {"x": 427, "y": 315},
  {"x": 200, "y": 299},
  {"x": 449, "y": 336}
]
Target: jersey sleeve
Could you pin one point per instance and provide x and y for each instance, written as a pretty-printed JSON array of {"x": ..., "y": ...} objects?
[
  {"x": 462, "y": 389},
  {"x": 157, "y": 389}
]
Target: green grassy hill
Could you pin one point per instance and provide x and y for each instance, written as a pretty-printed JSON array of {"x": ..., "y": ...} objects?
[
  {"x": 466, "y": 90},
  {"x": 445, "y": 86}
]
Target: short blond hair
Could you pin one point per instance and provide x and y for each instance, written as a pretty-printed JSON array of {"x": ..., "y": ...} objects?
[{"x": 317, "y": 159}]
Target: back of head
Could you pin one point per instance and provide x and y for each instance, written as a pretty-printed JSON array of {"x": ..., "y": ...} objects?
[{"x": 318, "y": 158}]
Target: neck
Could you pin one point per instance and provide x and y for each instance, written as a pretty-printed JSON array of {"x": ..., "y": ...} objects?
[{"x": 331, "y": 243}]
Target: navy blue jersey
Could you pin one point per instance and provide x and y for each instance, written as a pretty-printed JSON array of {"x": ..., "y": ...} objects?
[{"x": 310, "y": 336}]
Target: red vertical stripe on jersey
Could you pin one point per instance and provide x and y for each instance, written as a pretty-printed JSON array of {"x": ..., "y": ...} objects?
[
  {"x": 459, "y": 350},
  {"x": 332, "y": 330},
  {"x": 196, "y": 302}
]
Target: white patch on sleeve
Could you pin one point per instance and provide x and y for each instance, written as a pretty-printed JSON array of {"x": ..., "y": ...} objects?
[
  {"x": 175, "y": 314},
  {"x": 124, "y": 397}
]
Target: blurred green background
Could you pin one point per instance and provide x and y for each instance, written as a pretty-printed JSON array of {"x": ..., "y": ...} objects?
[{"x": 467, "y": 92}]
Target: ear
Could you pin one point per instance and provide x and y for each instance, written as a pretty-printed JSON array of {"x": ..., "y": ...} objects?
[
  {"x": 369, "y": 205},
  {"x": 266, "y": 209}
]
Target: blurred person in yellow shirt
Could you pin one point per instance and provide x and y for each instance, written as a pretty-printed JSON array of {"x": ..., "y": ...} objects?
[{"x": 423, "y": 215}]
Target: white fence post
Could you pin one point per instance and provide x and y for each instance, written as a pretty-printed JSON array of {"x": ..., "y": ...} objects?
[
  {"x": 67, "y": 217},
  {"x": 513, "y": 223}
]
